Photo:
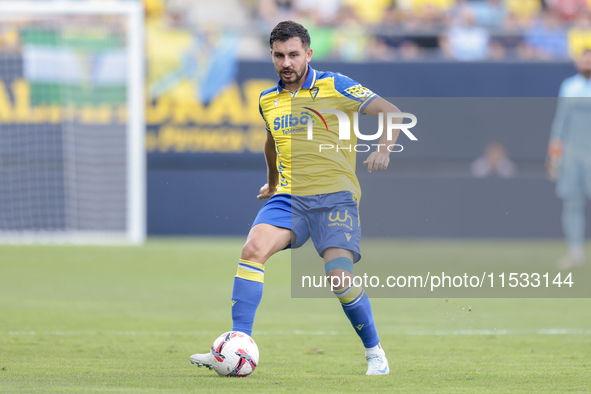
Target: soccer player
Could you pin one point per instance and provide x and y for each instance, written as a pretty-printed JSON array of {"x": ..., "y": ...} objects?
[
  {"x": 569, "y": 153},
  {"x": 327, "y": 191}
]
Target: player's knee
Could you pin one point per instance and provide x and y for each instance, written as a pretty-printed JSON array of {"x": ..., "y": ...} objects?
[
  {"x": 339, "y": 272},
  {"x": 339, "y": 279},
  {"x": 254, "y": 250}
]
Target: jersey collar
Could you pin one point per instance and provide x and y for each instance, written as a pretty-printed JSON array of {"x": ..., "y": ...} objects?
[{"x": 308, "y": 83}]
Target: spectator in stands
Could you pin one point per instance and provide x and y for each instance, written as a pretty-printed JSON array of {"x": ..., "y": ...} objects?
[
  {"x": 487, "y": 13},
  {"x": 410, "y": 50},
  {"x": 496, "y": 50},
  {"x": 579, "y": 36},
  {"x": 324, "y": 12},
  {"x": 324, "y": 38},
  {"x": 274, "y": 11},
  {"x": 370, "y": 12},
  {"x": 524, "y": 10},
  {"x": 352, "y": 40},
  {"x": 568, "y": 10},
  {"x": 510, "y": 37},
  {"x": 465, "y": 41},
  {"x": 319, "y": 16},
  {"x": 421, "y": 7},
  {"x": 219, "y": 15},
  {"x": 494, "y": 161},
  {"x": 424, "y": 17},
  {"x": 380, "y": 50},
  {"x": 547, "y": 38},
  {"x": 402, "y": 44}
]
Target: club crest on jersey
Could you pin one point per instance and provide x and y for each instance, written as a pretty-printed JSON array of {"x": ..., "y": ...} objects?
[{"x": 313, "y": 93}]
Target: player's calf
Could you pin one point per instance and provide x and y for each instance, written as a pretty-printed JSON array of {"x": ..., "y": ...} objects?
[{"x": 357, "y": 307}]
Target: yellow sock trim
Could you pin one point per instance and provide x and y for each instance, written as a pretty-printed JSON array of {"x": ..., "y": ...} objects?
[
  {"x": 350, "y": 295},
  {"x": 252, "y": 264},
  {"x": 337, "y": 292},
  {"x": 251, "y": 271}
]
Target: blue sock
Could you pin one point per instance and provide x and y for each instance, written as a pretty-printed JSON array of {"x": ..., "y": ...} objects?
[
  {"x": 358, "y": 309},
  {"x": 246, "y": 295}
]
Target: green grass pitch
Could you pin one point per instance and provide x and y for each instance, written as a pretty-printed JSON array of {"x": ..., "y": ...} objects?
[{"x": 126, "y": 319}]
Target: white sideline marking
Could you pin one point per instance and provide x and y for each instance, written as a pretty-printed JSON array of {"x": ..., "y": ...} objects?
[{"x": 547, "y": 331}]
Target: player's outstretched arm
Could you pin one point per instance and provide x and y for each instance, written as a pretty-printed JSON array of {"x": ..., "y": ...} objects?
[
  {"x": 270, "y": 187},
  {"x": 553, "y": 159},
  {"x": 380, "y": 158}
]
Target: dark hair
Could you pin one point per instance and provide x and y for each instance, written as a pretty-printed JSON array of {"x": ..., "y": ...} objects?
[{"x": 289, "y": 29}]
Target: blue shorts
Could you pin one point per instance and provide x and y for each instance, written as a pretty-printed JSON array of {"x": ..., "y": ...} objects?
[{"x": 331, "y": 220}]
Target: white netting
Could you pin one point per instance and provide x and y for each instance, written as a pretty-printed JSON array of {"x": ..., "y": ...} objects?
[{"x": 66, "y": 170}]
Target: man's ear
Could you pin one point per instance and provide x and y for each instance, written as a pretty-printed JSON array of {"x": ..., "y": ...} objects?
[{"x": 309, "y": 54}]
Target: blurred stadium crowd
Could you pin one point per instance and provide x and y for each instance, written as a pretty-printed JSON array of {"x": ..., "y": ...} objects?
[
  {"x": 390, "y": 30},
  {"x": 384, "y": 30}
]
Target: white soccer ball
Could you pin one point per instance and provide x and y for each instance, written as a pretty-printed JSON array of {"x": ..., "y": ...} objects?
[{"x": 234, "y": 353}]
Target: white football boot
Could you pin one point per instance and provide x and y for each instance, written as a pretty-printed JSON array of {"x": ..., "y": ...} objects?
[
  {"x": 202, "y": 360},
  {"x": 377, "y": 364},
  {"x": 569, "y": 262}
]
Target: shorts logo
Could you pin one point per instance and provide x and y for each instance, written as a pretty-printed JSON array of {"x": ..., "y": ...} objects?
[
  {"x": 233, "y": 302},
  {"x": 348, "y": 236},
  {"x": 341, "y": 222},
  {"x": 359, "y": 327}
]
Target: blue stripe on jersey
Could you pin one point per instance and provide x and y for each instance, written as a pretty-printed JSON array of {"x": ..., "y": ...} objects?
[{"x": 266, "y": 92}]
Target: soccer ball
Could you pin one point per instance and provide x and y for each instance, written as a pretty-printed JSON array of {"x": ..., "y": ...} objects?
[{"x": 234, "y": 353}]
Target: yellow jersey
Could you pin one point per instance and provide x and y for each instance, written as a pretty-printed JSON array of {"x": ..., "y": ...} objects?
[{"x": 304, "y": 169}]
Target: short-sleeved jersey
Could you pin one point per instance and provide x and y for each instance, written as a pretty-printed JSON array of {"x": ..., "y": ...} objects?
[{"x": 303, "y": 169}]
